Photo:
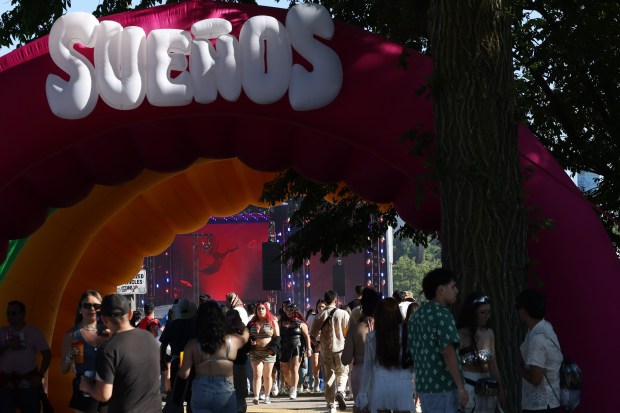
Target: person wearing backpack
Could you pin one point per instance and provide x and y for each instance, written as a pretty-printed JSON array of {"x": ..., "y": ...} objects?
[
  {"x": 541, "y": 356},
  {"x": 331, "y": 323}
]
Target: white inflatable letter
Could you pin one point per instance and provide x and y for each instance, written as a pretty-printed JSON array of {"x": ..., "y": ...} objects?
[
  {"x": 214, "y": 70},
  {"x": 120, "y": 65},
  {"x": 77, "y": 97},
  {"x": 228, "y": 67},
  {"x": 166, "y": 50},
  {"x": 312, "y": 90},
  {"x": 263, "y": 39}
]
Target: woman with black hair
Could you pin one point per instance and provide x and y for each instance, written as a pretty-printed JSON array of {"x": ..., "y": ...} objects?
[
  {"x": 540, "y": 356},
  {"x": 211, "y": 354},
  {"x": 386, "y": 384},
  {"x": 477, "y": 353},
  {"x": 295, "y": 346}
]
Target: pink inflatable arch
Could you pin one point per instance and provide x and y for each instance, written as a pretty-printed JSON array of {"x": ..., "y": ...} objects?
[{"x": 50, "y": 162}]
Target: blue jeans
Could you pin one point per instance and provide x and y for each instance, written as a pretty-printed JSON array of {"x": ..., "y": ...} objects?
[
  {"x": 30, "y": 400},
  {"x": 213, "y": 394},
  {"x": 303, "y": 371},
  {"x": 445, "y": 402}
]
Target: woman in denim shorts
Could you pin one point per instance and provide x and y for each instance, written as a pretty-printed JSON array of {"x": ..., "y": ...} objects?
[{"x": 212, "y": 354}]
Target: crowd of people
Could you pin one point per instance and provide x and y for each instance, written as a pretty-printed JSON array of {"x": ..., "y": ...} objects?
[{"x": 385, "y": 354}]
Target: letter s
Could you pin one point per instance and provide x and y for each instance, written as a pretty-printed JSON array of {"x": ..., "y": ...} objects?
[
  {"x": 76, "y": 98},
  {"x": 312, "y": 90}
]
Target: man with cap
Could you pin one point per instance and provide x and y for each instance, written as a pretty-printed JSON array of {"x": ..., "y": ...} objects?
[
  {"x": 176, "y": 334},
  {"x": 127, "y": 375},
  {"x": 407, "y": 301}
]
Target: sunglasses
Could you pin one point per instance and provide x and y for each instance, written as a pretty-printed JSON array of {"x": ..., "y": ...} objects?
[{"x": 88, "y": 306}]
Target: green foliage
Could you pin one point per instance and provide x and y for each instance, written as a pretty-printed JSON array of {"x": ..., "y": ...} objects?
[
  {"x": 29, "y": 19},
  {"x": 566, "y": 57},
  {"x": 404, "y": 247},
  {"x": 332, "y": 229},
  {"x": 407, "y": 275}
]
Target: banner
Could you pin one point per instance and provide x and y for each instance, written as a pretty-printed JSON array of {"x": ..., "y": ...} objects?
[{"x": 135, "y": 286}]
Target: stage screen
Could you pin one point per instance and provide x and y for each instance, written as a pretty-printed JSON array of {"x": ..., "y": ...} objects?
[{"x": 228, "y": 258}]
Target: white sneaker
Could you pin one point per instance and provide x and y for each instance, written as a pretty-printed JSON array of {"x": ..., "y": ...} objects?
[
  {"x": 332, "y": 409},
  {"x": 255, "y": 400},
  {"x": 317, "y": 388},
  {"x": 274, "y": 390},
  {"x": 267, "y": 400},
  {"x": 293, "y": 394},
  {"x": 262, "y": 396}
]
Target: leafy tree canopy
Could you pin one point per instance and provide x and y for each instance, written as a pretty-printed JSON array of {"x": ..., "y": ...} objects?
[{"x": 407, "y": 274}]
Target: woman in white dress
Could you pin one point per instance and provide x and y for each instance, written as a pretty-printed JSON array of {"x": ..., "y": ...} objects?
[{"x": 386, "y": 385}]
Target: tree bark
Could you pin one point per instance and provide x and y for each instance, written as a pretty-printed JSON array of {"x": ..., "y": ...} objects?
[{"x": 483, "y": 220}]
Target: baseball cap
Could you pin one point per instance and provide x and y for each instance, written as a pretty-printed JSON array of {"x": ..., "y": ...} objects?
[{"x": 114, "y": 305}]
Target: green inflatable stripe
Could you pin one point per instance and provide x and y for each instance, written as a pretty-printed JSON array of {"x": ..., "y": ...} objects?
[{"x": 15, "y": 246}]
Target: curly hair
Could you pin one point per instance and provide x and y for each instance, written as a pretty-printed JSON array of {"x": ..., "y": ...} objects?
[
  {"x": 388, "y": 326},
  {"x": 211, "y": 326}
]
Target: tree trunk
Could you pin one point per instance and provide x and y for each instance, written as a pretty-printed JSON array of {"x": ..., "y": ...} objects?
[{"x": 483, "y": 220}]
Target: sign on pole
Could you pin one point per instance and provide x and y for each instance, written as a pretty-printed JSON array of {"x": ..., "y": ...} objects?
[{"x": 135, "y": 286}]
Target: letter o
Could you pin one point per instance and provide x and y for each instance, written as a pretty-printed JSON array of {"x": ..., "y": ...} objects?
[{"x": 263, "y": 39}]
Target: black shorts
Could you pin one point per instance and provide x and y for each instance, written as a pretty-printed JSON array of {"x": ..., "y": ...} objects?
[
  {"x": 288, "y": 352},
  {"x": 80, "y": 402}
]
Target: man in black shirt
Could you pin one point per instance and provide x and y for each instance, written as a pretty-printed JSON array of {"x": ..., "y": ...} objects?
[
  {"x": 127, "y": 375},
  {"x": 176, "y": 334},
  {"x": 357, "y": 301}
]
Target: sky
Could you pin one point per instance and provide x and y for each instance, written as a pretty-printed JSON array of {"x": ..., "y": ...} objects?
[{"x": 90, "y": 5}]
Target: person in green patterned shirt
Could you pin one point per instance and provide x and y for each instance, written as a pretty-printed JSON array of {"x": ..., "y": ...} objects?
[{"x": 433, "y": 341}]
